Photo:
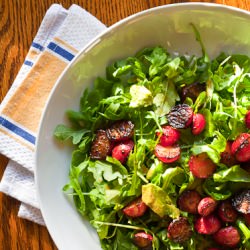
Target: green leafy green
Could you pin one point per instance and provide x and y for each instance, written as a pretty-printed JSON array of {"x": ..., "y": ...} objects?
[
  {"x": 64, "y": 133},
  {"x": 235, "y": 174}
]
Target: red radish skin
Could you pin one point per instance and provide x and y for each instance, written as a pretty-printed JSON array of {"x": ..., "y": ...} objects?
[
  {"x": 201, "y": 165},
  {"x": 207, "y": 225},
  {"x": 169, "y": 136},
  {"x": 247, "y": 119},
  {"x": 207, "y": 206},
  {"x": 143, "y": 240},
  {"x": 135, "y": 209},
  {"x": 122, "y": 151},
  {"x": 241, "y": 147},
  {"x": 226, "y": 212},
  {"x": 199, "y": 124},
  {"x": 167, "y": 154},
  {"x": 227, "y": 157},
  {"x": 227, "y": 237},
  {"x": 188, "y": 201}
]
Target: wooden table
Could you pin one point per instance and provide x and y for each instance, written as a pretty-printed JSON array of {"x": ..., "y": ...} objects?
[{"x": 19, "y": 22}]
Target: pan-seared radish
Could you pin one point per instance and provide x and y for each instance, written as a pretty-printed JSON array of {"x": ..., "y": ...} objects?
[
  {"x": 179, "y": 230},
  {"x": 167, "y": 154},
  {"x": 169, "y": 136},
  {"x": 188, "y": 201},
  {"x": 207, "y": 206},
  {"x": 101, "y": 146},
  {"x": 241, "y": 202},
  {"x": 180, "y": 116},
  {"x": 226, "y": 212},
  {"x": 199, "y": 124},
  {"x": 122, "y": 151},
  {"x": 143, "y": 240},
  {"x": 201, "y": 165},
  {"x": 227, "y": 237},
  {"x": 135, "y": 209},
  {"x": 120, "y": 131},
  {"x": 241, "y": 147},
  {"x": 207, "y": 224}
]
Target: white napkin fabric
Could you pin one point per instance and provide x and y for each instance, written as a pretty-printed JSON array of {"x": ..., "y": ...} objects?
[{"x": 62, "y": 34}]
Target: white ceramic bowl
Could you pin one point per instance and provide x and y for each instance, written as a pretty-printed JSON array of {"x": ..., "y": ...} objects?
[{"x": 222, "y": 29}]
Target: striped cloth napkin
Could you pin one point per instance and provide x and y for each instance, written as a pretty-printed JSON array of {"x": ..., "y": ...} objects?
[{"x": 62, "y": 34}]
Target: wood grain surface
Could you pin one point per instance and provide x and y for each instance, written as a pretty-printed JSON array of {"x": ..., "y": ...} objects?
[{"x": 19, "y": 22}]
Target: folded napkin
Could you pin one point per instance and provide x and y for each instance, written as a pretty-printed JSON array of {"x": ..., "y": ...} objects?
[{"x": 62, "y": 34}]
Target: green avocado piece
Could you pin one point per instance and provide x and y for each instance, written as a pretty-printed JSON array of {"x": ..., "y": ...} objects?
[{"x": 159, "y": 201}]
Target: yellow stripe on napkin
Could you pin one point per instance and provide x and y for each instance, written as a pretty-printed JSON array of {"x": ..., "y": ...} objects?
[{"x": 27, "y": 103}]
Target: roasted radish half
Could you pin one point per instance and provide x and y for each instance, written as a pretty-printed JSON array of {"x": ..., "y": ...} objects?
[
  {"x": 135, "y": 209},
  {"x": 201, "y": 165},
  {"x": 169, "y": 136},
  {"x": 227, "y": 236},
  {"x": 179, "y": 230},
  {"x": 122, "y": 151},
  {"x": 241, "y": 147},
  {"x": 207, "y": 206},
  {"x": 167, "y": 154},
  {"x": 199, "y": 124},
  {"x": 101, "y": 146},
  {"x": 241, "y": 202},
  {"x": 188, "y": 201},
  {"x": 180, "y": 116},
  {"x": 120, "y": 131},
  {"x": 226, "y": 212},
  {"x": 207, "y": 225},
  {"x": 143, "y": 240}
]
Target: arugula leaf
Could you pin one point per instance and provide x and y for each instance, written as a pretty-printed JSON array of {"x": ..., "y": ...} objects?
[
  {"x": 218, "y": 191},
  {"x": 157, "y": 58},
  {"x": 123, "y": 242},
  {"x": 166, "y": 99},
  {"x": 169, "y": 175},
  {"x": 245, "y": 232},
  {"x": 235, "y": 174},
  {"x": 64, "y": 133},
  {"x": 214, "y": 149}
]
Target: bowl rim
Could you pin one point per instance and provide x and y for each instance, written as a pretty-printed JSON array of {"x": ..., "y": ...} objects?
[{"x": 96, "y": 40}]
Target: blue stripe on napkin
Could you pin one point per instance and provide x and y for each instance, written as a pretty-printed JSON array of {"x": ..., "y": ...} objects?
[
  {"x": 60, "y": 51},
  {"x": 28, "y": 63},
  {"x": 37, "y": 46},
  {"x": 18, "y": 131}
]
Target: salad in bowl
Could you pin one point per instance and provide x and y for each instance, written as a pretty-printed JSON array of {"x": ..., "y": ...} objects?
[{"x": 161, "y": 154}]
